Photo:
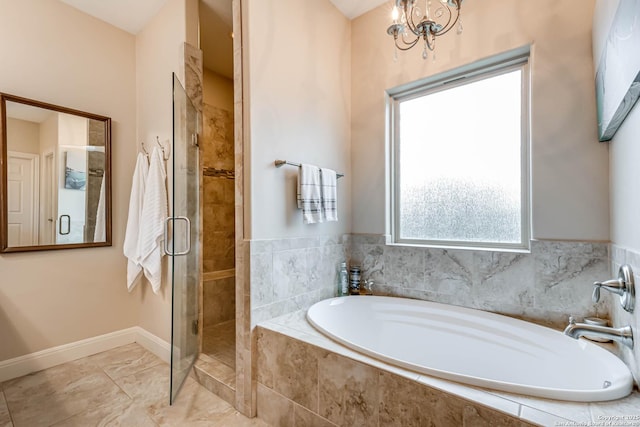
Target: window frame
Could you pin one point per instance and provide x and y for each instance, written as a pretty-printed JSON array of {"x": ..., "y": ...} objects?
[{"x": 479, "y": 70}]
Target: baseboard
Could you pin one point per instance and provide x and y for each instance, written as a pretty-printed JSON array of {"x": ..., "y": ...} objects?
[
  {"x": 33, "y": 362},
  {"x": 154, "y": 344}
]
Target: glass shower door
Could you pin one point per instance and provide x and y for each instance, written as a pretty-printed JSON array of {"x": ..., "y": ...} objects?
[{"x": 184, "y": 239}]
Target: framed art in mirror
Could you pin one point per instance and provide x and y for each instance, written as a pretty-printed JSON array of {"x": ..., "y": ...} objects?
[{"x": 55, "y": 168}]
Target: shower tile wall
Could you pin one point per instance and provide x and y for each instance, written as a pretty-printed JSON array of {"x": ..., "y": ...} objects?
[
  {"x": 218, "y": 164},
  {"x": 219, "y": 300},
  {"x": 619, "y": 316},
  {"x": 544, "y": 286},
  {"x": 218, "y": 234}
]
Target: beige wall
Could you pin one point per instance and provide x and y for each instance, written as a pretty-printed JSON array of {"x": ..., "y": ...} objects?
[
  {"x": 158, "y": 55},
  {"x": 54, "y": 53},
  {"x": 300, "y": 109},
  {"x": 23, "y": 136},
  {"x": 49, "y": 135},
  {"x": 218, "y": 90},
  {"x": 569, "y": 167},
  {"x": 623, "y": 164}
]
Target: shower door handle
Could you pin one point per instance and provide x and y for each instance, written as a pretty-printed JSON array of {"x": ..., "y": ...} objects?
[
  {"x": 166, "y": 236},
  {"x": 68, "y": 217}
]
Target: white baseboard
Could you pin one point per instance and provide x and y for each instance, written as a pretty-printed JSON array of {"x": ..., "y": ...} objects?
[
  {"x": 33, "y": 362},
  {"x": 154, "y": 344}
]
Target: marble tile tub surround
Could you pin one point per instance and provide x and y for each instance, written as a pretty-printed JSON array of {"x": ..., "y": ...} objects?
[
  {"x": 305, "y": 376},
  {"x": 292, "y": 274},
  {"x": 544, "y": 286},
  {"x": 619, "y": 316},
  {"x": 297, "y": 380}
]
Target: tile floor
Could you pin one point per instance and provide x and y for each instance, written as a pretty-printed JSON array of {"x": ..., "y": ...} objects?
[
  {"x": 126, "y": 386},
  {"x": 219, "y": 342}
]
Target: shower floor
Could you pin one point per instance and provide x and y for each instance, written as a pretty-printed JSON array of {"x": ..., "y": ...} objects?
[{"x": 219, "y": 342}]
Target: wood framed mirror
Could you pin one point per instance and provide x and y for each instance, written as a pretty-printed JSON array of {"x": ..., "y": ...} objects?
[{"x": 55, "y": 169}]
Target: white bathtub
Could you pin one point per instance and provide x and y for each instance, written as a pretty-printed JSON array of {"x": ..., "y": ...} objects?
[{"x": 473, "y": 347}]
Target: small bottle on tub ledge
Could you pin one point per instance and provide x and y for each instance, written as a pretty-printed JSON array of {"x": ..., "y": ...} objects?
[
  {"x": 343, "y": 280},
  {"x": 354, "y": 280}
]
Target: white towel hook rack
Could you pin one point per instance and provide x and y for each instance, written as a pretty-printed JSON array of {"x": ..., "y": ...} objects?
[{"x": 280, "y": 163}]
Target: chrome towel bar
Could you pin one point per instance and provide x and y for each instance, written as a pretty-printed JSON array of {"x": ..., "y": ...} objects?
[{"x": 280, "y": 163}]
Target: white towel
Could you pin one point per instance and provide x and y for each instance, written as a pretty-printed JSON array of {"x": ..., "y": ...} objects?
[
  {"x": 154, "y": 213},
  {"x": 132, "y": 235},
  {"x": 329, "y": 180},
  {"x": 310, "y": 194},
  {"x": 100, "y": 232}
]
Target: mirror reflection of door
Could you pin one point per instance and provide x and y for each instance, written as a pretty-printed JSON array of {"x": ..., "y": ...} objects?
[
  {"x": 56, "y": 176},
  {"x": 22, "y": 182}
]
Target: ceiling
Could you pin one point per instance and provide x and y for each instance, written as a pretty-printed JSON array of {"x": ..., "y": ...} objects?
[
  {"x": 139, "y": 12},
  {"x": 354, "y": 8},
  {"x": 127, "y": 15},
  {"x": 215, "y": 35},
  {"x": 26, "y": 112}
]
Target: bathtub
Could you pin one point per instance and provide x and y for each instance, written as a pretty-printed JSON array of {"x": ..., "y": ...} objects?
[{"x": 473, "y": 347}]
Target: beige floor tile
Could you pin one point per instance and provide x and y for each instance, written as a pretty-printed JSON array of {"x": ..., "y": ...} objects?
[
  {"x": 147, "y": 387},
  {"x": 126, "y": 360},
  {"x": 123, "y": 414},
  {"x": 81, "y": 394},
  {"x": 34, "y": 401},
  {"x": 54, "y": 377},
  {"x": 236, "y": 419},
  {"x": 195, "y": 406},
  {"x": 5, "y": 418}
]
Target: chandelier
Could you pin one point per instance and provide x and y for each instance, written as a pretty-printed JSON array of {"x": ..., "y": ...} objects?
[{"x": 412, "y": 24}]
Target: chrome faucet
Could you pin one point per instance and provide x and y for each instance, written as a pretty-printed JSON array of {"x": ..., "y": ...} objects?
[
  {"x": 623, "y": 286},
  {"x": 622, "y": 335}
]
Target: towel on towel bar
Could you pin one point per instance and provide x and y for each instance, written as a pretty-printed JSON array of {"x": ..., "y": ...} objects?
[
  {"x": 154, "y": 213},
  {"x": 310, "y": 194},
  {"x": 329, "y": 180},
  {"x": 132, "y": 234}
]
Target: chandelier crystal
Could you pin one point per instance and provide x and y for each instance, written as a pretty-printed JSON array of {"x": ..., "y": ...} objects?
[{"x": 411, "y": 24}]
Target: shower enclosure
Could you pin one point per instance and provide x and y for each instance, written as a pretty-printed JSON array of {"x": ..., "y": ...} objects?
[{"x": 182, "y": 239}]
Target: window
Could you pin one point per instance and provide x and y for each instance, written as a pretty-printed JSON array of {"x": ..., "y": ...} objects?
[{"x": 459, "y": 157}]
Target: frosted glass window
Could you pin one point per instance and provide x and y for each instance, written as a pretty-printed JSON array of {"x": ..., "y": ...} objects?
[{"x": 461, "y": 163}]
